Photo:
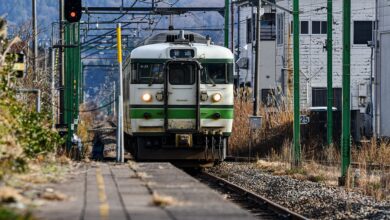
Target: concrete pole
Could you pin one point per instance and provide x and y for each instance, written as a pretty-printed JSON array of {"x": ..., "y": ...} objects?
[
  {"x": 232, "y": 27},
  {"x": 35, "y": 39},
  {"x": 53, "y": 89},
  {"x": 238, "y": 44},
  {"x": 257, "y": 64},
  {"x": 330, "y": 74},
  {"x": 61, "y": 56},
  {"x": 38, "y": 100}
]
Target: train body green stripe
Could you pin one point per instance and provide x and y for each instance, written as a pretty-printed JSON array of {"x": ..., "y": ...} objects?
[
  {"x": 182, "y": 106},
  {"x": 181, "y": 113}
]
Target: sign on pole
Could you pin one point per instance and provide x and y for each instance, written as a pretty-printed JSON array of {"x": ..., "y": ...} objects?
[{"x": 304, "y": 119}]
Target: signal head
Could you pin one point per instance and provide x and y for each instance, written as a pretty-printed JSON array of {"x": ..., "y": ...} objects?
[{"x": 73, "y": 10}]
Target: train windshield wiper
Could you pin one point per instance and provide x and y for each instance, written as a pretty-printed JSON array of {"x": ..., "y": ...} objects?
[
  {"x": 154, "y": 78},
  {"x": 209, "y": 79}
]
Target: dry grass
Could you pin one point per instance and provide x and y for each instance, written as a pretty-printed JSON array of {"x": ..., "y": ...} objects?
[
  {"x": 276, "y": 129},
  {"x": 142, "y": 175},
  {"x": 10, "y": 195},
  {"x": 133, "y": 165},
  {"x": 39, "y": 173},
  {"x": 373, "y": 158},
  {"x": 373, "y": 152},
  {"x": 86, "y": 123},
  {"x": 164, "y": 201},
  {"x": 321, "y": 163},
  {"x": 368, "y": 179},
  {"x": 52, "y": 195}
]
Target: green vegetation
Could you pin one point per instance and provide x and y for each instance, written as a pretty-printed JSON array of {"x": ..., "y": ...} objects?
[
  {"x": 24, "y": 133},
  {"x": 7, "y": 214}
]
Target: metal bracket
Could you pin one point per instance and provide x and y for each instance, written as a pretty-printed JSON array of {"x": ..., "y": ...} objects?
[{"x": 65, "y": 46}]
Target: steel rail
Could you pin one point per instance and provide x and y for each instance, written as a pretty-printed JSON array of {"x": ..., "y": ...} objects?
[{"x": 280, "y": 211}]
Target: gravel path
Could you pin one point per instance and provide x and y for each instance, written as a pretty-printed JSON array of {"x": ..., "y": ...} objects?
[{"x": 313, "y": 200}]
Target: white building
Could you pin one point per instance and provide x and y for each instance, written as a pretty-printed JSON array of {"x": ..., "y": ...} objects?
[
  {"x": 313, "y": 55},
  {"x": 382, "y": 100},
  {"x": 269, "y": 79}
]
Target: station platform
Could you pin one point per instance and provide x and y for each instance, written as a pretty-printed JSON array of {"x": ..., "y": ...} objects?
[{"x": 138, "y": 191}]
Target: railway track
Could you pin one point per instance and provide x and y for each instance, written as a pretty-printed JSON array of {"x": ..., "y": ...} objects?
[
  {"x": 258, "y": 205},
  {"x": 323, "y": 163}
]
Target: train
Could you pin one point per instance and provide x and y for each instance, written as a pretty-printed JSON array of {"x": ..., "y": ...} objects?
[{"x": 178, "y": 99}]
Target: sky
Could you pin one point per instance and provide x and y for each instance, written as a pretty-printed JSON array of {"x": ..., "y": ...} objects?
[{"x": 19, "y": 12}]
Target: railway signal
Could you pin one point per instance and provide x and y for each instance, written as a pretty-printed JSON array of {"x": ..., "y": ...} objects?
[{"x": 73, "y": 10}]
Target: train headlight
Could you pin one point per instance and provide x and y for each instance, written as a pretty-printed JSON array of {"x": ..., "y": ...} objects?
[
  {"x": 217, "y": 97},
  {"x": 147, "y": 97}
]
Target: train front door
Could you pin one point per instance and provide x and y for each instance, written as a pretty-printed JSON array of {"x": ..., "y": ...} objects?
[{"x": 182, "y": 91}]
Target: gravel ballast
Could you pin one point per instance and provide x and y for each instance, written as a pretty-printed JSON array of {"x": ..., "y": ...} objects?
[{"x": 310, "y": 199}]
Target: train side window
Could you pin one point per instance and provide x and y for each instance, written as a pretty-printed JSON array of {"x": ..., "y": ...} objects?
[{"x": 133, "y": 73}]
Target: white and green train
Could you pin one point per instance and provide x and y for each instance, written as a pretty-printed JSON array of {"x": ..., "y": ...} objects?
[{"x": 178, "y": 99}]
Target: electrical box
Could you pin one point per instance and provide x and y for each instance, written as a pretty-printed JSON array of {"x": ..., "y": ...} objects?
[
  {"x": 363, "y": 90},
  {"x": 255, "y": 122}
]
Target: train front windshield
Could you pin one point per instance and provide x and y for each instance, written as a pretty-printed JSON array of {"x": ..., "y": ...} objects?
[
  {"x": 212, "y": 73},
  {"x": 182, "y": 73}
]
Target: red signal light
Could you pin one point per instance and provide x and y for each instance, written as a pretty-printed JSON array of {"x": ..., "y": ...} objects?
[
  {"x": 73, "y": 14},
  {"x": 73, "y": 10}
]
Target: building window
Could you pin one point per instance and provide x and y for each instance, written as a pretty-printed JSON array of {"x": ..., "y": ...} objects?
[
  {"x": 362, "y": 32},
  {"x": 319, "y": 27},
  {"x": 304, "y": 27},
  {"x": 248, "y": 31},
  {"x": 280, "y": 29},
  {"x": 268, "y": 26},
  {"x": 319, "y": 97}
]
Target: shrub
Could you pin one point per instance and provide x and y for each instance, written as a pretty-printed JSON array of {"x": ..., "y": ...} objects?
[{"x": 24, "y": 134}]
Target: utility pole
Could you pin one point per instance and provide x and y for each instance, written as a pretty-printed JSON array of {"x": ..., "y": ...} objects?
[
  {"x": 329, "y": 45},
  {"x": 232, "y": 27},
  {"x": 238, "y": 44},
  {"x": 53, "y": 102},
  {"x": 297, "y": 133},
  {"x": 61, "y": 58},
  {"x": 35, "y": 39},
  {"x": 346, "y": 114},
  {"x": 257, "y": 64},
  {"x": 120, "y": 135},
  {"x": 226, "y": 29}
]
